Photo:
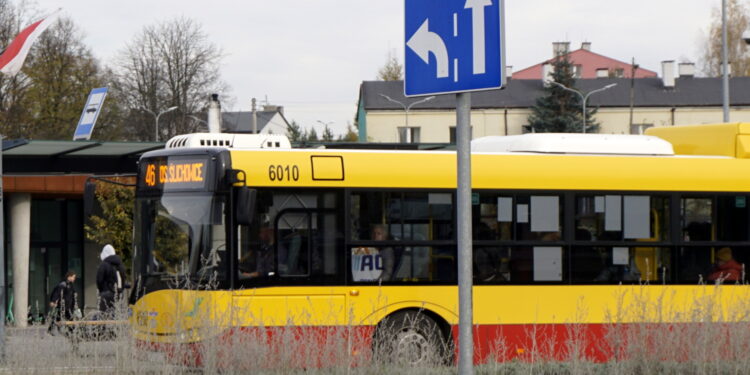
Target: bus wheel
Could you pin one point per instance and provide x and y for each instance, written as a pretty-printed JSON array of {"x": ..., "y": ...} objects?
[{"x": 410, "y": 339}]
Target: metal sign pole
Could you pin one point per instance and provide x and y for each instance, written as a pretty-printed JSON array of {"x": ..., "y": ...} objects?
[{"x": 463, "y": 197}]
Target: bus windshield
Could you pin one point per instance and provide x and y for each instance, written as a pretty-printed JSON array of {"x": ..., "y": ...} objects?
[{"x": 182, "y": 236}]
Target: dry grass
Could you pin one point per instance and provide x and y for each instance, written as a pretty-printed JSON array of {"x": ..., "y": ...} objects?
[{"x": 648, "y": 330}]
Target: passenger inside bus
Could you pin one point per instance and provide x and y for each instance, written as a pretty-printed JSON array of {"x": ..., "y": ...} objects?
[
  {"x": 259, "y": 262},
  {"x": 622, "y": 268},
  {"x": 379, "y": 232},
  {"x": 726, "y": 268}
]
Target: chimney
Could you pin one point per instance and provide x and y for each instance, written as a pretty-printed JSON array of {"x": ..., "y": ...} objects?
[
  {"x": 509, "y": 72},
  {"x": 586, "y": 46},
  {"x": 667, "y": 73},
  {"x": 560, "y": 48},
  {"x": 546, "y": 74},
  {"x": 254, "y": 118},
  {"x": 686, "y": 69},
  {"x": 214, "y": 114}
]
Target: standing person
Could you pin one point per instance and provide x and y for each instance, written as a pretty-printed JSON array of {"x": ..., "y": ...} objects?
[
  {"x": 63, "y": 301},
  {"x": 110, "y": 279}
]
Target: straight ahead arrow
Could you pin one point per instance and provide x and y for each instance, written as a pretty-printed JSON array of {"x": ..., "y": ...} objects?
[
  {"x": 477, "y": 30},
  {"x": 424, "y": 42}
]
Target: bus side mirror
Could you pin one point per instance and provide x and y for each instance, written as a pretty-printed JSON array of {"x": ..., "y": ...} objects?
[
  {"x": 89, "y": 197},
  {"x": 245, "y": 207}
]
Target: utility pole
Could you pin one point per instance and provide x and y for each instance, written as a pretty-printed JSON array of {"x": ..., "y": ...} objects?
[
  {"x": 254, "y": 119},
  {"x": 633, "y": 67},
  {"x": 725, "y": 70}
]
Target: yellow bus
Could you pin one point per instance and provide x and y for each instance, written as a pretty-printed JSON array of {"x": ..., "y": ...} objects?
[{"x": 575, "y": 236}]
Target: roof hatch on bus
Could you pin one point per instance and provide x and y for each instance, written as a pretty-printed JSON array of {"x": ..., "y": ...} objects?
[
  {"x": 229, "y": 140},
  {"x": 569, "y": 143}
]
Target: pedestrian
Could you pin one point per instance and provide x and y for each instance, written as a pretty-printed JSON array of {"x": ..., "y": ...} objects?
[
  {"x": 63, "y": 302},
  {"x": 110, "y": 279}
]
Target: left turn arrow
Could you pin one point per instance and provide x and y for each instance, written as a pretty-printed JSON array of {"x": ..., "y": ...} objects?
[{"x": 424, "y": 42}]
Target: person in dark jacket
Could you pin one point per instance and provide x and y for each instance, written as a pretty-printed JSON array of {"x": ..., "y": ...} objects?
[
  {"x": 63, "y": 301},
  {"x": 110, "y": 278}
]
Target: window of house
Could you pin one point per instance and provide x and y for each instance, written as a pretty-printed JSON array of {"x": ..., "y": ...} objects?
[
  {"x": 408, "y": 134},
  {"x": 452, "y": 134},
  {"x": 577, "y": 71}
]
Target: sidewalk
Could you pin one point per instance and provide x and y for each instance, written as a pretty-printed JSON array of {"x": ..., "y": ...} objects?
[{"x": 30, "y": 331}]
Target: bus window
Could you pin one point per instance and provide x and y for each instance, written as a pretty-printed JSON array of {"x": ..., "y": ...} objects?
[
  {"x": 407, "y": 216},
  {"x": 519, "y": 265},
  {"x": 538, "y": 217},
  {"x": 697, "y": 219},
  {"x": 520, "y": 217},
  {"x": 730, "y": 212},
  {"x": 493, "y": 220},
  {"x": 295, "y": 235},
  {"x": 732, "y": 218},
  {"x": 708, "y": 264},
  {"x": 618, "y": 217},
  {"x": 491, "y": 265},
  {"x": 403, "y": 264}
]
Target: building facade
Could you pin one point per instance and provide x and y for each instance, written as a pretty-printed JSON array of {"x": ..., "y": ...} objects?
[
  {"x": 586, "y": 64},
  {"x": 43, "y": 186},
  {"x": 655, "y": 102}
]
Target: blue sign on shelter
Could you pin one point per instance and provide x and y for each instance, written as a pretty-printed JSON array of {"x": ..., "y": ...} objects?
[{"x": 90, "y": 113}]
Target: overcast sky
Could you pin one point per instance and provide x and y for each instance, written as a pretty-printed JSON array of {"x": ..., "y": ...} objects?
[{"x": 310, "y": 56}]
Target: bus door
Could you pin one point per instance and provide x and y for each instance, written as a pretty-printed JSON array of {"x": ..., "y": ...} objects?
[
  {"x": 308, "y": 262},
  {"x": 306, "y": 285}
]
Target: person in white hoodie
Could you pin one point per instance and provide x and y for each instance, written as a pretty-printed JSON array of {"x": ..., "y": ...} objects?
[{"x": 110, "y": 278}]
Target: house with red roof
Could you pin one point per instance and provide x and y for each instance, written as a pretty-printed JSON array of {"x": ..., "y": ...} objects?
[{"x": 586, "y": 64}]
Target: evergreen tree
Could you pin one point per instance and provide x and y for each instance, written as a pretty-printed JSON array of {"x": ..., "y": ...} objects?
[
  {"x": 311, "y": 135},
  {"x": 295, "y": 132},
  {"x": 559, "y": 111},
  {"x": 327, "y": 135}
]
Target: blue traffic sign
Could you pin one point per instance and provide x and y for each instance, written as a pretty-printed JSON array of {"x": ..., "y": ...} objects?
[
  {"x": 90, "y": 113},
  {"x": 453, "y": 46}
]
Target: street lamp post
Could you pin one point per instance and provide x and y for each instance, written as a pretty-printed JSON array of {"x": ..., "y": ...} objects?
[
  {"x": 406, "y": 112},
  {"x": 584, "y": 97},
  {"x": 407, "y": 107},
  {"x": 198, "y": 120},
  {"x": 156, "y": 116},
  {"x": 325, "y": 126}
]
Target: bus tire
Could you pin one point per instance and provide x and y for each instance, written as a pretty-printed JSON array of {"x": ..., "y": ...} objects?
[{"x": 410, "y": 338}]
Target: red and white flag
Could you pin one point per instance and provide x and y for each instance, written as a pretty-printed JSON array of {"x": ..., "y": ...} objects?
[{"x": 14, "y": 55}]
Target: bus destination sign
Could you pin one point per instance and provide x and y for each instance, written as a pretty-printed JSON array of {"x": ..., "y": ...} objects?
[{"x": 174, "y": 173}]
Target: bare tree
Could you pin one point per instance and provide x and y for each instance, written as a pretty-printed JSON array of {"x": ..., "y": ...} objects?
[
  {"x": 166, "y": 65},
  {"x": 737, "y": 51},
  {"x": 45, "y": 99},
  {"x": 62, "y": 71},
  {"x": 392, "y": 70}
]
